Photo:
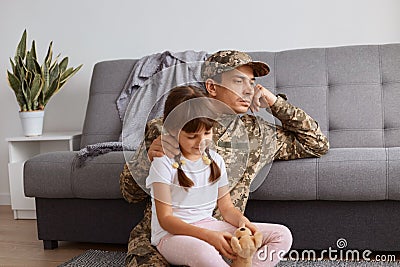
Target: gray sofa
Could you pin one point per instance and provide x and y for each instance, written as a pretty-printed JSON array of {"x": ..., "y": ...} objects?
[{"x": 353, "y": 192}]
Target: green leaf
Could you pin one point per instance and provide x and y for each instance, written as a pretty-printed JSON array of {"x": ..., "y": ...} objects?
[
  {"x": 29, "y": 78},
  {"x": 34, "y": 64},
  {"x": 36, "y": 87},
  {"x": 69, "y": 73},
  {"x": 63, "y": 64},
  {"x": 21, "y": 69},
  {"x": 54, "y": 87},
  {"x": 49, "y": 55},
  {"x": 55, "y": 61},
  {"x": 15, "y": 85},
  {"x": 46, "y": 78},
  {"x": 25, "y": 93},
  {"x": 37, "y": 67},
  {"x": 33, "y": 50},
  {"x": 30, "y": 62},
  {"x": 17, "y": 72},
  {"x": 21, "y": 48},
  {"x": 12, "y": 65},
  {"x": 29, "y": 98},
  {"x": 54, "y": 73}
]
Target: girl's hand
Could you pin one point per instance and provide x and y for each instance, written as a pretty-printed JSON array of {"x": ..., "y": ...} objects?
[
  {"x": 222, "y": 242},
  {"x": 244, "y": 221}
]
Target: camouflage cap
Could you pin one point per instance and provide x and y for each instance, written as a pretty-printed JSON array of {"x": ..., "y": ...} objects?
[{"x": 227, "y": 60}]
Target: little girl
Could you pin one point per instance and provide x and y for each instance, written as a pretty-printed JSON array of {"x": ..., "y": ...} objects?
[{"x": 186, "y": 189}]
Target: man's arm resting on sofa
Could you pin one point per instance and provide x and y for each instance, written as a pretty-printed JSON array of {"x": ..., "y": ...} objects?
[{"x": 300, "y": 135}]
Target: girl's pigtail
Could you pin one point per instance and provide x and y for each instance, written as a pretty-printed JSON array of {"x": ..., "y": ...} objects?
[
  {"x": 215, "y": 170},
  {"x": 183, "y": 180}
]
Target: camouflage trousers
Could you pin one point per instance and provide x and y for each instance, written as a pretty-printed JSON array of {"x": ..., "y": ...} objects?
[{"x": 140, "y": 251}]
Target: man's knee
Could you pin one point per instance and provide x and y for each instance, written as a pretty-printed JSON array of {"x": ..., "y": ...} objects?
[{"x": 130, "y": 190}]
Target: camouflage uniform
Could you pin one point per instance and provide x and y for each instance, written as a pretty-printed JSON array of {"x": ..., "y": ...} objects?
[{"x": 299, "y": 137}]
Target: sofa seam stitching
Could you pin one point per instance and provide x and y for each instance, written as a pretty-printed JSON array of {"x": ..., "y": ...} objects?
[
  {"x": 71, "y": 169},
  {"x": 87, "y": 134},
  {"x": 275, "y": 72},
  {"x": 355, "y": 160},
  {"x": 335, "y": 84},
  {"x": 390, "y": 82},
  {"x": 104, "y": 93},
  {"x": 327, "y": 93},
  {"x": 374, "y": 160},
  {"x": 317, "y": 178},
  {"x": 357, "y": 129},
  {"x": 392, "y": 129},
  {"x": 387, "y": 172},
  {"x": 382, "y": 95},
  {"x": 48, "y": 161}
]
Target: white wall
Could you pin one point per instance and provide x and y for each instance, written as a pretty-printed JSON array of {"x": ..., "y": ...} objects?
[{"x": 92, "y": 30}]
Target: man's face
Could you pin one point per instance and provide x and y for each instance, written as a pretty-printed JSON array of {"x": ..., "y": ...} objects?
[{"x": 236, "y": 88}]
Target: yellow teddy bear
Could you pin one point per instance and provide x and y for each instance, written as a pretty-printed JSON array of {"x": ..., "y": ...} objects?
[{"x": 245, "y": 244}]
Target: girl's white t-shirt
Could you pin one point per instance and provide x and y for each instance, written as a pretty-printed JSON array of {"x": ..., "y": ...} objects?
[{"x": 190, "y": 206}]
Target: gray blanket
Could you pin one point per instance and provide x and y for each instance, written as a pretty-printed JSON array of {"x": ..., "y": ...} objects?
[{"x": 150, "y": 65}]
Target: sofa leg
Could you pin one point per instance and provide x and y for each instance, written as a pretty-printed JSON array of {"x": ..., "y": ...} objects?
[{"x": 50, "y": 244}]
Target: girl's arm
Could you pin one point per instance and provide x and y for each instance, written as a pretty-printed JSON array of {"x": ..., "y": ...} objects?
[
  {"x": 231, "y": 214},
  {"x": 176, "y": 226}
]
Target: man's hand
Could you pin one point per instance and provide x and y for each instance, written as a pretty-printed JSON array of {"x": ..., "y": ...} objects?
[
  {"x": 163, "y": 145},
  {"x": 262, "y": 98}
]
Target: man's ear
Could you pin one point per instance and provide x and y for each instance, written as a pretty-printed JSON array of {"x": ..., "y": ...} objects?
[{"x": 211, "y": 87}]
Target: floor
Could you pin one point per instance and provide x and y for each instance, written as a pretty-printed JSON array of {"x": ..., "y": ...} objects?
[{"x": 19, "y": 245}]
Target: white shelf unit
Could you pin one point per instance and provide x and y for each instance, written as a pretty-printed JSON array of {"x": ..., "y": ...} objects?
[{"x": 23, "y": 148}]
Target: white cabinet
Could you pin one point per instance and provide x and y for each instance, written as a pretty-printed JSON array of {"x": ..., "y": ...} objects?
[{"x": 23, "y": 148}]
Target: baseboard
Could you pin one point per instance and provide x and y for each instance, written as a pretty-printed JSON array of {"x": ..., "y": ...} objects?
[{"x": 5, "y": 199}]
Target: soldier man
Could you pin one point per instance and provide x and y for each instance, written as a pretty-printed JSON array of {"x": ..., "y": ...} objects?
[{"x": 229, "y": 77}]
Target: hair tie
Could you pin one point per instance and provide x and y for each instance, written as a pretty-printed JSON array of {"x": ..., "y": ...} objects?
[
  {"x": 206, "y": 157},
  {"x": 178, "y": 162}
]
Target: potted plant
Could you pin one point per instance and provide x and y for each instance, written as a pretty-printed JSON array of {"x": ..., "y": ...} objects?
[{"x": 34, "y": 84}]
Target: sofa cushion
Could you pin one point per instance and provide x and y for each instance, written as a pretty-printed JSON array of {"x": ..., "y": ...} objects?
[
  {"x": 344, "y": 174},
  {"x": 56, "y": 175}
]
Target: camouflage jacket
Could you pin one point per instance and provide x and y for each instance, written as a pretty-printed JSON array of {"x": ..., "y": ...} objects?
[{"x": 246, "y": 143}]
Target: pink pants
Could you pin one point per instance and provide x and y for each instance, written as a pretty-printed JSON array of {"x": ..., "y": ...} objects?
[{"x": 190, "y": 251}]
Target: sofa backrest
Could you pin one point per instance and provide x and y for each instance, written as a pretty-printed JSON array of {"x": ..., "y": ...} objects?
[
  {"x": 352, "y": 91},
  {"x": 102, "y": 123}
]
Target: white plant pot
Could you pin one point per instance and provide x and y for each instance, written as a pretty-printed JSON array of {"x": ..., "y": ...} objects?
[{"x": 32, "y": 122}]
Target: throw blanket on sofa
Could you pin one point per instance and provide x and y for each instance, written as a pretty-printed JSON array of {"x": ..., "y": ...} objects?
[
  {"x": 98, "y": 149},
  {"x": 147, "y": 101},
  {"x": 150, "y": 65},
  {"x": 143, "y": 96}
]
